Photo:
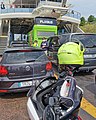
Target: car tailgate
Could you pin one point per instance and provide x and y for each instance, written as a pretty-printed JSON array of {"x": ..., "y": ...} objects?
[{"x": 26, "y": 70}]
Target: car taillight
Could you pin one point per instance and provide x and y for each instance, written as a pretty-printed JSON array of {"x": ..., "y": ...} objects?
[
  {"x": 48, "y": 66},
  {"x": 3, "y": 71},
  {"x": 3, "y": 91}
]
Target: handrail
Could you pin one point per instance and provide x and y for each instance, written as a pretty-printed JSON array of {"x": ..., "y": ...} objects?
[
  {"x": 74, "y": 14},
  {"x": 16, "y": 10},
  {"x": 19, "y": 6},
  {"x": 12, "y": 8},
  {"x": 9, "y": 8}
]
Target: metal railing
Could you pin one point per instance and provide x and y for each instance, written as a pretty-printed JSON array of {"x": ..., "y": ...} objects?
[
  {"x": 74, "y": 14},
  {"x": 30, "y": 7},
  {"x": 12, "y": 8},
  {"x": 15, "y": 10}
]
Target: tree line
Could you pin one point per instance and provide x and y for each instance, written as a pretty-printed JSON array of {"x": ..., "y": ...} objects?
[
  {"x": 89, "y": 25},
  {"x": 91, "y": 19}
]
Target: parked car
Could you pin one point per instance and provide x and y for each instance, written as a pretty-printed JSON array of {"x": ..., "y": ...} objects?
[
  {"x": 21, "y": 68},
  {"x": 88, "y": 40},
  {"x": 19, "y": 44}
]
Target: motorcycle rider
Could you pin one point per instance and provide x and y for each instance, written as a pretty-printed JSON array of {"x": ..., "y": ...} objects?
[
  {"x": 44, "y": 43},
  {"x": 35, "y": 43}
]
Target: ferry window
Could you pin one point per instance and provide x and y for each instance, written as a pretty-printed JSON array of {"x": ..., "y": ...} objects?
[
  {"x": 58, "y": 0},
  {"x": 55, "y": 0},
  {"x": 17, "y": 37}
]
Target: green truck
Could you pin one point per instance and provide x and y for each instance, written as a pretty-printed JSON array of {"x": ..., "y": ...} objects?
[{"x": 43, "y": 27}]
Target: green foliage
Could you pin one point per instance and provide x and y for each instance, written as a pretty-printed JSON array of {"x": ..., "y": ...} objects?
[
  {"x": 89, "y": 28},
  {"x": 83, "y": 21},
  {"x": 91, "y": 18}
]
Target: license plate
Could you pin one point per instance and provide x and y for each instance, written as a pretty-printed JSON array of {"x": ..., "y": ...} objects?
[{"x": 25, "y": 84}]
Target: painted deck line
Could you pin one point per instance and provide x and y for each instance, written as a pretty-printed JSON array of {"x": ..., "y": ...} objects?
[{"x": 88, "y": 107}]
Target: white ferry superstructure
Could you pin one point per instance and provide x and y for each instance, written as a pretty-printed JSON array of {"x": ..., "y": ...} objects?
[{"x": 17, "y": 17}]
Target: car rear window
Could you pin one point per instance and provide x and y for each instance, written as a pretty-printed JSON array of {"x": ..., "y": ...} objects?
[
  {"x": 64, "y": 39},
  {"x": 20, "y": 57},
  {"x": 88, "y": 40}
]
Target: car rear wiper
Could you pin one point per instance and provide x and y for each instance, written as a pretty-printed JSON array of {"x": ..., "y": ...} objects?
[
  {"x": 94, "y": 46},
  {"x": 32, "y": 60},
  {"x": 90, "y": 46}
]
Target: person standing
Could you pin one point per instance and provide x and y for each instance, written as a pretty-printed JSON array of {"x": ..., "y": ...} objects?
[
  {"x": 2, "y": 5},
  {"x": 44, "y": 43},
  {"x": 35, "y": 43}
]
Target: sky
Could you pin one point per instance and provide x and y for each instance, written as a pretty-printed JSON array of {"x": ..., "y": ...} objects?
[{"x": 85, "y": 7}]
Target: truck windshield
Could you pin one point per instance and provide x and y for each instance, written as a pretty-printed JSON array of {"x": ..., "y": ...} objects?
[{"x": 47, "y": 34}]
